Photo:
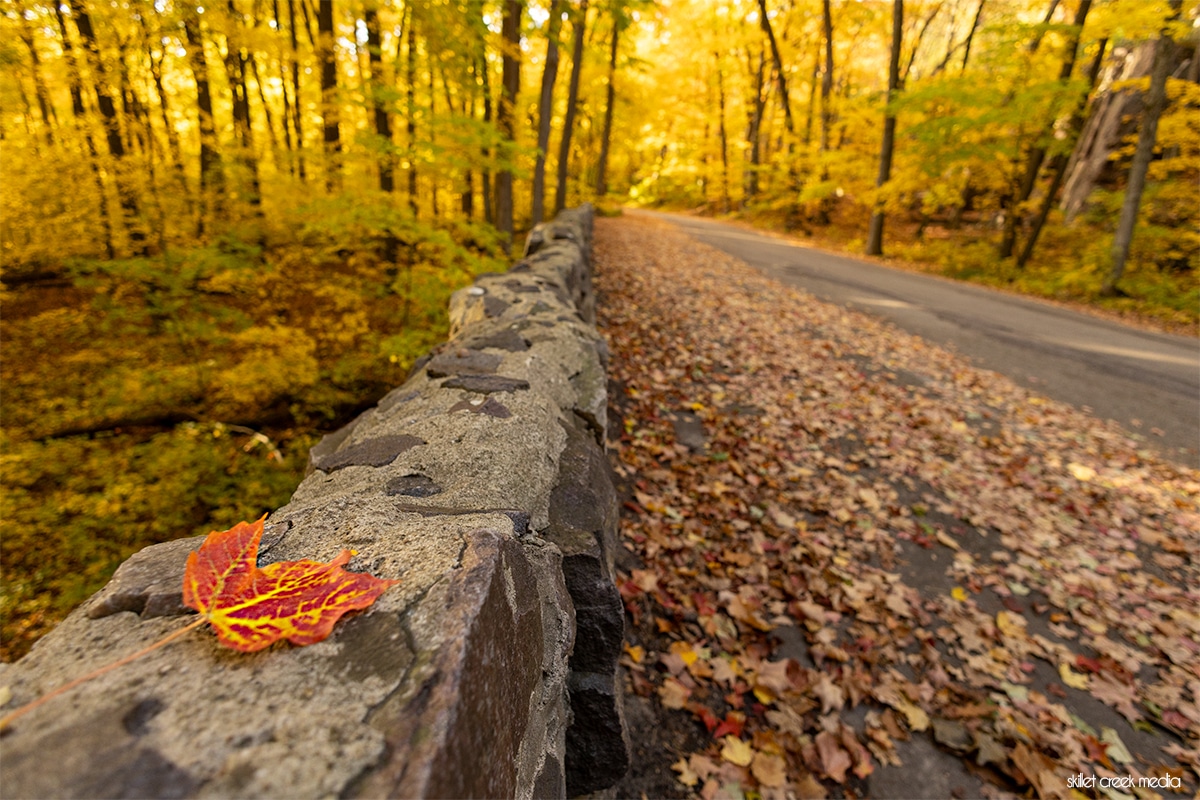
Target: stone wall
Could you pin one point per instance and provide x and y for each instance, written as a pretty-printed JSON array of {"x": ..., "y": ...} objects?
[{"x": 489, "y": 671}]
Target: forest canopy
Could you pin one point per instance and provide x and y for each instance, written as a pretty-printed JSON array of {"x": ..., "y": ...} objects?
[{"x": 227, "y": 228}]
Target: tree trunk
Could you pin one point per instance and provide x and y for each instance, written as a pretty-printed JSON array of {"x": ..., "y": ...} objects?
[
  {"x": 1037, "y": 153},
  {"x": 156, "y": 75},
  {"x": 489, "y": 212},
  {"x": 235, "y": 71},
  {"x": 1036, "y": 42},
  {"x": 722, "y": 135},
  {"x": 383, "y": 125},
  {"x": 510, "y": 34},
  {"x": 1156, "y": 101},
  {"x": 826, "y": 110},
  {"x": 297, "y": 105},
  {"x": 971, "y": 35},
  {"x": 211, "y": 179},
  {"x": 1058, "y": 164},
  {"x": 79, "y": 113},
  {"x": 754, "y": 114},
  {"x": 579, "y": 24},
  {"x": 610, "y": 102},
  {"x": 45, "y": 107},
  {"x": 112, "y": 126},
  {"x": 545, "y": 112},
  {"x": 329, "y": 105},
  {"x": 780, "y": 77},
  {"x": 875, "y": 234},
  {"x": 410, "y": 108},
  {"x": 1103, "y": 131}
]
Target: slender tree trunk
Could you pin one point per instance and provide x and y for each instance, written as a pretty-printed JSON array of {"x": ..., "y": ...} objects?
[
  {"x": 1036, "y": 42},
  {"x": 211, "y": 179},
  {"x": 722, "y": 135},
  {"x": 235, "y": 71},
  {"x": 329, "y": 104},
  {"x": 875, "y": 233},
  {"x": 1058, "y": 164},
  {"x": 45, "y": 107},
  {"x": 410, "y": 96},
  {"x": 579, "y": 25},
  {"x": 1156, "y": 101},
  {"x": 77, "y": 108},
  {"x": 433, "y": 173},
  {"x": 780, "y": 77},
  {"x": 754, "y": 114},
  {"x": 468, "y": 195},
  {"x": 786, "y": 102},
  {"x": 486, "y": 179},
  {"x": 80, "y": 116},
  {"x": 813, "y": 82},
  {"x": 297, "y": 105},
  {"x": 112, "y": 126},
  {"x": 252, "y": 62},
  {"x": 1037, "y": 153},
  {"x": 383, "y": 125},
  {"x": 283, "y": 91},
  {"x": 610, "y": 102},
  {"x": 971, "y": 35},
  {"x": 545, "y": 112},
  {"x": 510, "y": 34},
  {"x": 156, "y": 75},
  {"x": 826, "y": 106},
  {"x": 916, "y": 45}
]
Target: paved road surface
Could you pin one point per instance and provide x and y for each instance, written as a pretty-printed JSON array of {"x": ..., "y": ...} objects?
[{"x": 1147, "y": 382}]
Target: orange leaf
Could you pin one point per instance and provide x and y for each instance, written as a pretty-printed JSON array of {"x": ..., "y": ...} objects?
[{"x": 252, "y": 608}]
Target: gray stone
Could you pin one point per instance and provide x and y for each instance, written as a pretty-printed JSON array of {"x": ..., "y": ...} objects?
[
  {"x": 462, "y": 361},
  {"x": 506, "y": 339},
  {"x": 476, "y": 696},
  {"x": 150, "y": 581},
  {"x": 491, "y": 406},
  {"x": 597, "y": 754},
  {"x": 376, "y": 452},
  {"x": 485, "y": 384},
  {"x": 494, "y": 306},
  {"x": 100, "y": 759},
  {"x": 412, "y": 486},
  {"x": 583, "y": 524}
]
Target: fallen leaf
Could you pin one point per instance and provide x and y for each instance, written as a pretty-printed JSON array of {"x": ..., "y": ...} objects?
[
  {"x": 686, "y": 776},
  {"x": 1072, "y": 678},
  {"x": 1081, "y": 472},
  {"x": 769, "y": 770},
  {"x": 252, "y": 608},
  {"x": 737, "y": 751},
  {"x": 916, "y": 717},
  {"x": 673, "y": 694},
  {"x": 834, "y": 760},
  {"x": 1116, "y": 748},
  {"x": 832, "y": 697}
]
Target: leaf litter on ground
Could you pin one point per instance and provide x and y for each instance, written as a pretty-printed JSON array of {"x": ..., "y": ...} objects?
[{"x": 839, "y": 454}]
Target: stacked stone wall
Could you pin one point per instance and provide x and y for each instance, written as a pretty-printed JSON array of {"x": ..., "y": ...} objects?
[{"x": 489, "y": 671}]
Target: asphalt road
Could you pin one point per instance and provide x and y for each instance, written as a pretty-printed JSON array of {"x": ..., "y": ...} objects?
[{"x": 1148, "y": 382}]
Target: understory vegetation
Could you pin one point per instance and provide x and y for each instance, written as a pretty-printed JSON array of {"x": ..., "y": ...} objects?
[{"x": 163, "y": 396}]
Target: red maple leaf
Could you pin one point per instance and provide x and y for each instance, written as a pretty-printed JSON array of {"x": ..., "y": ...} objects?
[{"x": 252, "y": 608}]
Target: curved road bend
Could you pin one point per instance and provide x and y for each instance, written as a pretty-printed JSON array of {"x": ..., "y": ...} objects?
[{"x": 1148, "y": 382}]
